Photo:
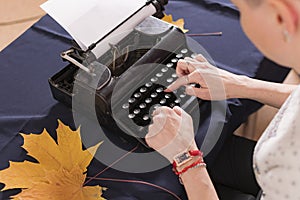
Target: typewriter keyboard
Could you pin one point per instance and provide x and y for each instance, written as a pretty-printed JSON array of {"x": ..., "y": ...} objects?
[{"x": 133, "y": 114}]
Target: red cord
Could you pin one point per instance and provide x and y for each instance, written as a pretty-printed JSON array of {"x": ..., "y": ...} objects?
[{"x": 127, "y": 180}]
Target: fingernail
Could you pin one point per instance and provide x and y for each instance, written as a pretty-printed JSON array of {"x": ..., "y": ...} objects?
[{"x": 167, "y": 90}]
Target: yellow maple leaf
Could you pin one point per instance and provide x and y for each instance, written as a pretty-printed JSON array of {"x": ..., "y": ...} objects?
[
  {"x": 179, "y": 23},
  {"x": 60, "y": 171}
]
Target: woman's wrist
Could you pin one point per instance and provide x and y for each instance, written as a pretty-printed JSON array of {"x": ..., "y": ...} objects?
[{"x": 238, "y": 87}]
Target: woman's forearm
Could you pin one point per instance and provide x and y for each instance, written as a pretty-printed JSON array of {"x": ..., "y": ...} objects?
[
  {"x": 198, "y": 185},
  {"x": 273, "y": 94}
]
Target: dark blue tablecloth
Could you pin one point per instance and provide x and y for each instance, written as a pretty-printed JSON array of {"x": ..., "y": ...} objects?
[{"x": 26, "y": 103}]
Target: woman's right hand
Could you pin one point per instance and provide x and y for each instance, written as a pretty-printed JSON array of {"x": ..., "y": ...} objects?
[{"x": 215, "y": 83}]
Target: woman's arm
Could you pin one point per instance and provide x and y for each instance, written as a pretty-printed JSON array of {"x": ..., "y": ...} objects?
[
  {"x": 198, "y": 185},
  {"x": 218, "y": 84},
  {"x": 171, "y": 134},
  {"x": 272, "y": 94}
]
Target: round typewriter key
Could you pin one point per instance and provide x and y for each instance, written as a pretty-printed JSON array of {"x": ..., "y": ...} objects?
[
  {"x": 177, "y": 100},
  {"x": 172, "y": 105},
  {"x": 156, "y": 106},
  {"x": 125, "y": 106},
  {"x": 170, "y": 80},
  {"x": 165, "y": 69},
  {"x": 163, "y": 101},
  {"x": 148, "y": 100},
  {"x": 168, "y": 96},
  {"x": 143, "y": 105},
  {"x": 153, "y": 95},
  {"x": 146, "y": 117},
  {"x": 174, "y": 60},
  {"x": 131, "y": 116},
  {"x": 154, "y": 79},
  {"x": 194, "y": 55},
  {"x": 131, "y": 100},
  {"x": 184, "y": 51},
  {"x": 179, "y": 55},
  {"x": 137, "y": 95},
  {"x": 169, "y": 65},
  {"x": 159, "y": 90},
  {"x": 182, "y": 95},
  {"x": 149, "y": 84},
  {"x": 136, "y": 111},
  {"x": 174, "y": 75},
  {"x": 143, "y": 89},
  {"x": 159, "y": 74}
]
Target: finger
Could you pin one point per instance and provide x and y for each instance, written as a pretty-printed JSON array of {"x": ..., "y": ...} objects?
[
  {"x": 196, "y": 64},
  {"x": 179, "y": 82},
  {"x": 156, "y": 111},
  {"x": 201, "y": 58},
  {"x": 177, "y": 110},
  {"x": 184, "y": 67},
  {"x": 201, "y": 93}
]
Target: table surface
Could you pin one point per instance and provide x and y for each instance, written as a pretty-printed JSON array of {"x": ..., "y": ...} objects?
[{"x": 27, "y": 104}]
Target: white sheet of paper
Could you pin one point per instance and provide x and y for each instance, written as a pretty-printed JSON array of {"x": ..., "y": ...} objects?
[{"x": 87, "y": 21}]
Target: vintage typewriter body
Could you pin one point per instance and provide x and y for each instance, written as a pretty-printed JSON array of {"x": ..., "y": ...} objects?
[{"x": 124, "y": 85}]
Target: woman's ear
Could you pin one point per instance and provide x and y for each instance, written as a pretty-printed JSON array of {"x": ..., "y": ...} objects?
[{"x": 286, "y": 15}]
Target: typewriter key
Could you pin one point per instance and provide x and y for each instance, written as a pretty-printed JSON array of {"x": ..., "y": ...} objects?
[
  {"x": 143, "y": 89},
  {"x": 131, "y": 116},
  {"x": 159, "y": 90},
  {"x": 182, "y": 95},
  {"x": 194, "y": 55},
  {"x": 165, "y": 69},
  {"x": 168, "y": 96},
  {"x": 153, "y": 95},
  {"x": 143, "y": 105},
  {"x": 170, "y": 80},
  {"x": 154, "y": 79},
  {"x": 184, "y": 51},
  {"x": 159, "y": 74},
  {"x": 148, "y": 100},
  {"x": 177, "y": 100},
  {"x": 174, "y": 75},
  {"x": 125, "y": 106},
  {"x": 137, "y": 95},
  {"x": 174, "y": 60},
  {"x": 136, "y": 111},
  {"x": 131, "y": 100},
  {"x": 172, "y": 105},
  {"x": 146, "y": 117},
  {"x": 169, "y": 65},
  {"x": 149, "y": 84},
  {"x": 162, "y": 101},
  {"x": 156, "y": 106},
  {"x": 179, "y": 55}
]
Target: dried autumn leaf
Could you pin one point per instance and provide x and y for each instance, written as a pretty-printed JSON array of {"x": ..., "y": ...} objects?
[
  {"x": 60, "y": 173},
  {"x": 179, "y": 22}
]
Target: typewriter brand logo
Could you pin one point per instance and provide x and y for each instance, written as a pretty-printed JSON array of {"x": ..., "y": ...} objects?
[{"x": 115, "y": 104}]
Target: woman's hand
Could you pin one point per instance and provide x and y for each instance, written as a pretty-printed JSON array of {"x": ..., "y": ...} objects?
[
  {"x": 215, "y": 83},
  {"x": 171, "y": 133}
]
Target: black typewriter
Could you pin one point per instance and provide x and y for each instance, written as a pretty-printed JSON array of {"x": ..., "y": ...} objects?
[{"x": 124, "y": 85}]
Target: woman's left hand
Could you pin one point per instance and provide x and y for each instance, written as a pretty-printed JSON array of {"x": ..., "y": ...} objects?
[{"x": 171, "y": 133}]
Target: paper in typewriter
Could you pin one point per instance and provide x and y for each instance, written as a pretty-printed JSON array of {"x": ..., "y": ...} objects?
[{"x": 88, "y": 21}]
